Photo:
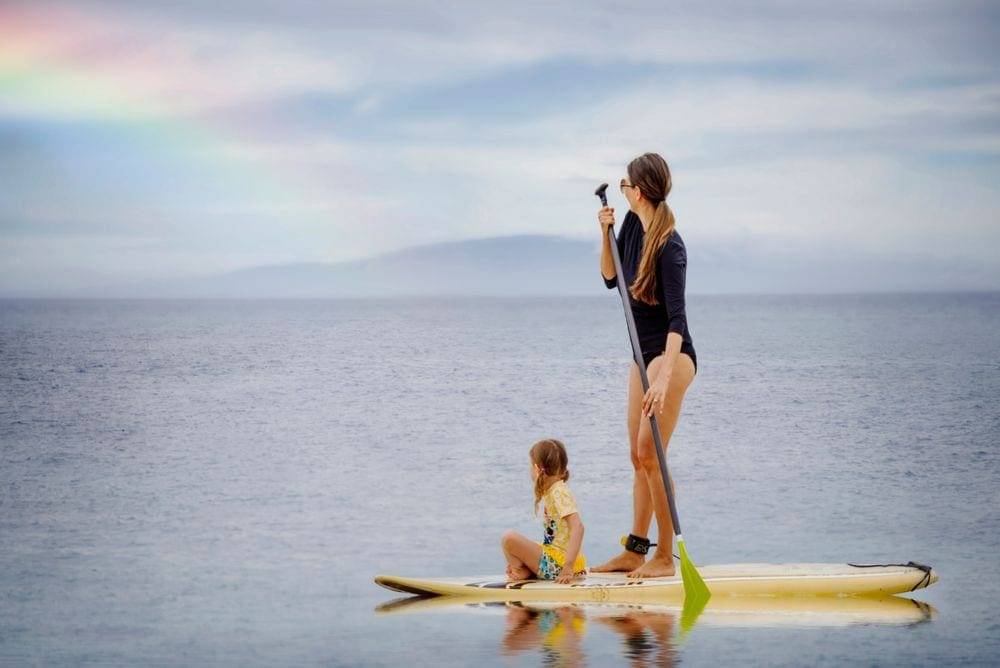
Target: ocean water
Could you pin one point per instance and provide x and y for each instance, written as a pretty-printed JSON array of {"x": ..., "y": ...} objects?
[{"x": 189, "y": 483}]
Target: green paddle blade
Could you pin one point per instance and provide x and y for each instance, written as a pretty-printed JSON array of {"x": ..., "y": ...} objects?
[{"x": 696, "y": 593}]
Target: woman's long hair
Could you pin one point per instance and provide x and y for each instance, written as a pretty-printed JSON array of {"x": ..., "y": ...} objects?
[
  {"x": 651, "y": 175},
  {"x": 550, "y": 456}
]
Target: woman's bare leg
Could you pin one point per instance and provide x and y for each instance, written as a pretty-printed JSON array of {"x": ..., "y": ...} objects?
[
  {"x": 662, "y": 562},
  {"x": 642, "y": 504}
]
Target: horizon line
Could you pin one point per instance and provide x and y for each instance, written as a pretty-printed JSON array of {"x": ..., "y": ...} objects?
[{"x": 530, "y": 297}]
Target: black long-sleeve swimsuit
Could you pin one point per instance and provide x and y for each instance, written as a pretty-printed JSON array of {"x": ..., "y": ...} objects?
[{"x": 654, "y": 321}]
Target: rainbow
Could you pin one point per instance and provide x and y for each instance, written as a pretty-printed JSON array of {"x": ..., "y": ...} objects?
[{"x": 62, "y": 66}]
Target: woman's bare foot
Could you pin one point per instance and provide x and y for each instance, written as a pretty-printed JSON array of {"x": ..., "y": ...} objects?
[
  {"x": 624, "y": 562},
  {"x": 657, "y": 567}
]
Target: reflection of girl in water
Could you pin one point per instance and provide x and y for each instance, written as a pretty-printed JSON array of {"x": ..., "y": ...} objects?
[
  {"x": 648, "y": 636},
  {"x": 557, "y": 632},
  {"x": 558, "y": 557}
]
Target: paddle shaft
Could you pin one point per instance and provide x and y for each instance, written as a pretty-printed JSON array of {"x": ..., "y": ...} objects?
[{"x": 637, "y": 356}]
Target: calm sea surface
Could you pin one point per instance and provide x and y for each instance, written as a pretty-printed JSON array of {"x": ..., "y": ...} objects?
[{"x": 187, "y": 483}]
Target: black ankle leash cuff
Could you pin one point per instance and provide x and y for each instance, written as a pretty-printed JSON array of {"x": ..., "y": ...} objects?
[{"x": 636, "y": 544}]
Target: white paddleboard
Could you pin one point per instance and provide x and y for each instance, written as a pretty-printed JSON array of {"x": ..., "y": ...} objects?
[{"x": 722, "y": 580}]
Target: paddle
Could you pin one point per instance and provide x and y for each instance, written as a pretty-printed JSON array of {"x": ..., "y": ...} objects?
[{"x": 696, "y": 593}]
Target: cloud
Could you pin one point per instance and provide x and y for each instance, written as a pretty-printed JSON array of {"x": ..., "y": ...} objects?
[{"x": 321, "y": 131}]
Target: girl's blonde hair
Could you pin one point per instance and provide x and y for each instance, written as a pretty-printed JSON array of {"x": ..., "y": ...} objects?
[
  {"x": 550, "y": 456},
  {"x": 651, "y": 175}
]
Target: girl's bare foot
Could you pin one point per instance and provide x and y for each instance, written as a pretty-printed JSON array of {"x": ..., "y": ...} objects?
[
  {"x": 515, "y": 573},
  {"x": 624, "y": 562},
  {"x": 657, "y": 567}
]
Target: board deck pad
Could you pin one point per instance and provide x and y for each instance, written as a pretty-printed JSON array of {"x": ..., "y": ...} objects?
[{"x": 724, "y": 579}]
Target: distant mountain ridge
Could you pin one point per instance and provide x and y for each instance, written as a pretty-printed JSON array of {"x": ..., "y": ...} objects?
[
  {"x": 527, "y": 265},
  {"x": 552, "y": 266}
]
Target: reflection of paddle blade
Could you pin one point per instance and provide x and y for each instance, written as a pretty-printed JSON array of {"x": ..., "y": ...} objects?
[
  {"x": 696, "y": 593},
  {"x": 689, "y": 615}
]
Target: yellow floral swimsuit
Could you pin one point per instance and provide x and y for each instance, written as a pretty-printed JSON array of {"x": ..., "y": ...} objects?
[{"x": 558, "y": 504}]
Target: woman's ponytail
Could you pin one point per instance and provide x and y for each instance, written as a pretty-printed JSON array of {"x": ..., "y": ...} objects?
[{"x": 651, "y": 175}]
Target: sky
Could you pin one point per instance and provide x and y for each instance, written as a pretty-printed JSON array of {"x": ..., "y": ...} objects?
[{"x": 858, "y": 141}]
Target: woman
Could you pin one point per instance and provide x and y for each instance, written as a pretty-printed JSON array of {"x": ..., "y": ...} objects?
[{"x": 654, "y": 264}]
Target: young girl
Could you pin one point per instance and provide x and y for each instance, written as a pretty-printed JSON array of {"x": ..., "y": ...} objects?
[{"x": 558, "y": 557}]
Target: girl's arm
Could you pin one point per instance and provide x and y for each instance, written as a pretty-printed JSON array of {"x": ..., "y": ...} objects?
[{"x": 572, "y": 549}]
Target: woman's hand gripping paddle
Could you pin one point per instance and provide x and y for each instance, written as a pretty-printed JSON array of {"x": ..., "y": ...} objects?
[{"x": 696, "y": 593}]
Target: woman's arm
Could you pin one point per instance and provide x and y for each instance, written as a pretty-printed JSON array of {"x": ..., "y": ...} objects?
[
  {"x": 573, "y": 548},
  {"x": 606, "y": 216}
]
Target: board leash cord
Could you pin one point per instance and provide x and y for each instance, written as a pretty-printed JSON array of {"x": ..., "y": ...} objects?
[{"x": 925, "y": 582}]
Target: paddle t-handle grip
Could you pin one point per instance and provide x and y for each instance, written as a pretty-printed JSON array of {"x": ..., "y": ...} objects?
[{"x": 602, "y": 192}]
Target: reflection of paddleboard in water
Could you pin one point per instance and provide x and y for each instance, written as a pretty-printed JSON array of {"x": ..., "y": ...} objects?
[
  {"x": 722, "y": 580},
  {"x": 722, "y": 611}
]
